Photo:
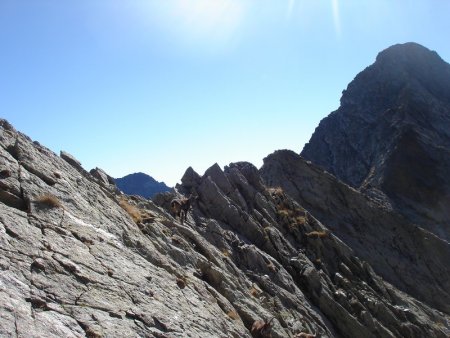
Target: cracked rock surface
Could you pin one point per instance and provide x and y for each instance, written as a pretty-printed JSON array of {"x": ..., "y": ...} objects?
[{"x": 80, "y": 259}]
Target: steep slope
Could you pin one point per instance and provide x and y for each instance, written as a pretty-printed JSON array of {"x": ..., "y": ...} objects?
[
  {"x": 80, "y": 260},
  {"x": 411, "y": 258},
  {"x": 391, "y": 135},
  {"x": 140, "y": 184}
]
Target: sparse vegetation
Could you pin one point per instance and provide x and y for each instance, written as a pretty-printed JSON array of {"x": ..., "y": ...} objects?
[
  {"x": 318, "y": 234},
  {"x": 233, "y": 314},
  {"x": 291, "y": 216},
  {"x": 276, "y": 191},
  {"x": 48, "y": 201},
  {"x": 296, "y": 222},
  {"x": 92, "y": 333},
  {"x": 283, "y": 213},
  {"x": 133, "y": 211},
  {"x": 226, "y": 252},
  {"x": 300, "y": 220},
  {"x": 182, "y": 282}
]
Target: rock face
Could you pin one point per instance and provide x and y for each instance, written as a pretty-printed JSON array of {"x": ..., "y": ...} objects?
[
  {"x": 141, "y": 184},
  {"x": 79, "y": 259},
  {"x": 391, "y": 135},
  {"x": 409, "y": 257}
]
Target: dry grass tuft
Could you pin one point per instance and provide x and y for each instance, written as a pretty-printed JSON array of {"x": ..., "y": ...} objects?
[
  {"x": 317, "y": 234},
  {"x": 226, "y": 252},
  {"x": 276, "y": 191},
  {"x": 182, "y": 282},
  {"x": 92, "y": 333},
  {"x": 284, "y": 213},
  {"x": 133, "y": 211},
  {"x": 300, "y": 220},
  {"x": 48, "y": 201},
  {"x": 233, "y": 314}
]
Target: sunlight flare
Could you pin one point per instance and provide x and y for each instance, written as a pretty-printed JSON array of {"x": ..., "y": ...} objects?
[
  {"x": 211, "y": 20},
  {"x": 336, "y": 17},
  {"x": 290, "y": 8}
]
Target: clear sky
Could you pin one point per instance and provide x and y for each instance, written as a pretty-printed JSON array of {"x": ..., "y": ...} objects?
[{"x": 160, "y": 85}]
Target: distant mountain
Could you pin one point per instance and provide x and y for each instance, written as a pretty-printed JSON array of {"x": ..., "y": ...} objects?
[
  {"x": 141, "y": 184},
  {"x": 390, "y": 138}
]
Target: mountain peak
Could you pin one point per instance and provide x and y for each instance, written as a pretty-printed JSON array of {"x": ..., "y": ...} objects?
[
  {"x": 140, "y": 184},
  {"x": 400, "y": 70},
  {"x": 392, "y": 134},
  {"x": 407, "y": 52}
]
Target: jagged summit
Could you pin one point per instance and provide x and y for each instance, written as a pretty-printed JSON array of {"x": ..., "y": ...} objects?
[
  {"x": 398, "y": 68},
  {"x": 409, "y": 52},
  {"x": 391, "y": 135}
]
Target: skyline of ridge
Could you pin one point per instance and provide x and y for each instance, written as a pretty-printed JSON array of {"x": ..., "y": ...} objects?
[{"x": 159, "y": 87}]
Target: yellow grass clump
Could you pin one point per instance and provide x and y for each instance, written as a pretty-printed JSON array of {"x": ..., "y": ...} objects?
[
  {"x": 226, "y": 252},
  {"x": 317, "y": 234},
  {"x": 300, "y": 220},
  {"x": 133, "y": 211},
  {"x": 233, "y": 314}
]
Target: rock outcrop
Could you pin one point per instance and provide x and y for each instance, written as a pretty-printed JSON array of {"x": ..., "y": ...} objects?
[
  {"x": 80, "y": 259},
  {"x": 411, "y": 258},
  {"x": 390, "y": 138},
  {"x": 140, "y": 184}
]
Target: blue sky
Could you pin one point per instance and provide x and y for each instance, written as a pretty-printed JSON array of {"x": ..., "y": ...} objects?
[{"x": 160, "y": 85}]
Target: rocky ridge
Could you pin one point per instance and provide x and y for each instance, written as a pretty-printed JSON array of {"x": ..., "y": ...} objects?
[
  {"x": 81, "y": 259},
  {"x": 390, "y": 137},
  {"x": 408, "y": 256},
  {"x": 140, "y": 184}
]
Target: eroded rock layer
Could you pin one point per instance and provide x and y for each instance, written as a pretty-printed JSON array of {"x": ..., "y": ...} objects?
[{"x": 80, "y": 259}]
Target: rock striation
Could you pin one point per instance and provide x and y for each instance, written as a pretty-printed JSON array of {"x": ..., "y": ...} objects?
[
  {"x": 80, "y": 259},
  {"x": 140, "y": 184},
  {"x": 410, "y": 257},
  {"x": 390, "y": 137}
]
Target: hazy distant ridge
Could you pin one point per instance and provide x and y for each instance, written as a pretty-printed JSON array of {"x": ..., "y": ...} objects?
[{"x": 140, "y": 184}]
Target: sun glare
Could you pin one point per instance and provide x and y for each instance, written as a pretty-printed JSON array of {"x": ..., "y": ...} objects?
[
  {"x": 290, "y": 8},
  {"x": 336, "y": 17},
  {"x": 213, "y": 20}
]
